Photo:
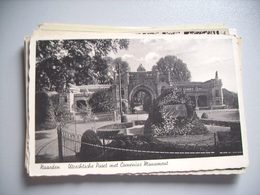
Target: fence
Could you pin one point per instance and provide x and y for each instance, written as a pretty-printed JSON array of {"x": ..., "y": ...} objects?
[{"x": 69, "y": 144}]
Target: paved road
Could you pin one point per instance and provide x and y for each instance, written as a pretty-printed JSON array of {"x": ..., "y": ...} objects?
[{"x": 46, "y": 146}]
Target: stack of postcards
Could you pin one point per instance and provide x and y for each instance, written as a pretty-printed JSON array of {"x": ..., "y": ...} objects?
[{"x": 134, "y": 100}]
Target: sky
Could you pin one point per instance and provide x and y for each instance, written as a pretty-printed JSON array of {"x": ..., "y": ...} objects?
[{"x": 203, "y": 57}]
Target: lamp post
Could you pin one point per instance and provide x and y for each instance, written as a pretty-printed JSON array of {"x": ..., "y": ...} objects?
[{"x": 120, "y": 93}]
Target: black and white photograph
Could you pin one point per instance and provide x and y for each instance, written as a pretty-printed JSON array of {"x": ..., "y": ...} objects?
[{"x": 131, "y": 99}]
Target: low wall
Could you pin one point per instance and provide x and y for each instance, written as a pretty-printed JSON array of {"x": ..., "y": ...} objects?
[
  {"x": 124, "y": 125},
  {"x": 234, "y": 125},
  {"x": 126, "y": 128}
]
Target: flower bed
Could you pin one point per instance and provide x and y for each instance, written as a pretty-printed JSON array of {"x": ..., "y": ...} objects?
[{"x": 173, "y": 113}]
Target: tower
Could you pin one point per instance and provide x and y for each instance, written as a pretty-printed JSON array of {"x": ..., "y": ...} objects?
[
  {"x": 141, "y": 68},
  {"x": 217, "y": 95}
]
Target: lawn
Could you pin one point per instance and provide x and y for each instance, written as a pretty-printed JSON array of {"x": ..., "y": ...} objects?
[{"x": 223, "y": 115}]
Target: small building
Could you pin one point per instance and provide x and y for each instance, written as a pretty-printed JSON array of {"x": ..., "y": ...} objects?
[{"x": 78, "y": 96}]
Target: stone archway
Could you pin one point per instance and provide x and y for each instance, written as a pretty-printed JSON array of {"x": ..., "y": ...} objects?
[{"x": 141, "y": 88}]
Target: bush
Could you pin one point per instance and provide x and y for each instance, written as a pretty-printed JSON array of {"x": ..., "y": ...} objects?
[
  {"x": 87, "y": 152},
  {"x": 229, "y": 141},
  {"x": 102, "y": 101},
  {"x": 130, "y": 142},
  {"x": 85, "y": 112},
  {"x": 204, "y": 115},
  {"x": 61, "y": 110},
  {"x": 44, "y": 112}
]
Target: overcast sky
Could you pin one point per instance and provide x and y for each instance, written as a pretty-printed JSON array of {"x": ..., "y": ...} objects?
[{"x": 203, "y": 57}]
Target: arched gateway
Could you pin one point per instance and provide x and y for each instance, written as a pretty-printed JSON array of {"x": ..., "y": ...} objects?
[{"x": 143, "y": 88}]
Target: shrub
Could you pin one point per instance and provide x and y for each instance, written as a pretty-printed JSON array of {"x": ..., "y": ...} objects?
[
  {"x": 229, "y": 141},
  {"x": 44, "y": 112},
  {"x": 62, "y": 113},
  {"x": 87, "y": 152},
  {"x": 102, "y": 101},
  {"x": 61, "y": 110},
  {"x": 130, "y": 142},
  {"x": 204, "y": 115},
  {"x": 85, "y": 112}
]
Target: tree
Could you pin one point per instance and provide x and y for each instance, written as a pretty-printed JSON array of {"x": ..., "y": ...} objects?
[
  {"x": 230, "y": 99},
  {"x": 45, "y": 116},
  {"x": 101, "y": 101},
  {"x": 60, "y": 62},
  {"x": 177, "y": 68},
  {"x": 123, "y": 67}
]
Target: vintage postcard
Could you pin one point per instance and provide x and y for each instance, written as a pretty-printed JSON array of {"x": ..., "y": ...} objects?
[{"x": 128, "y": 103}]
